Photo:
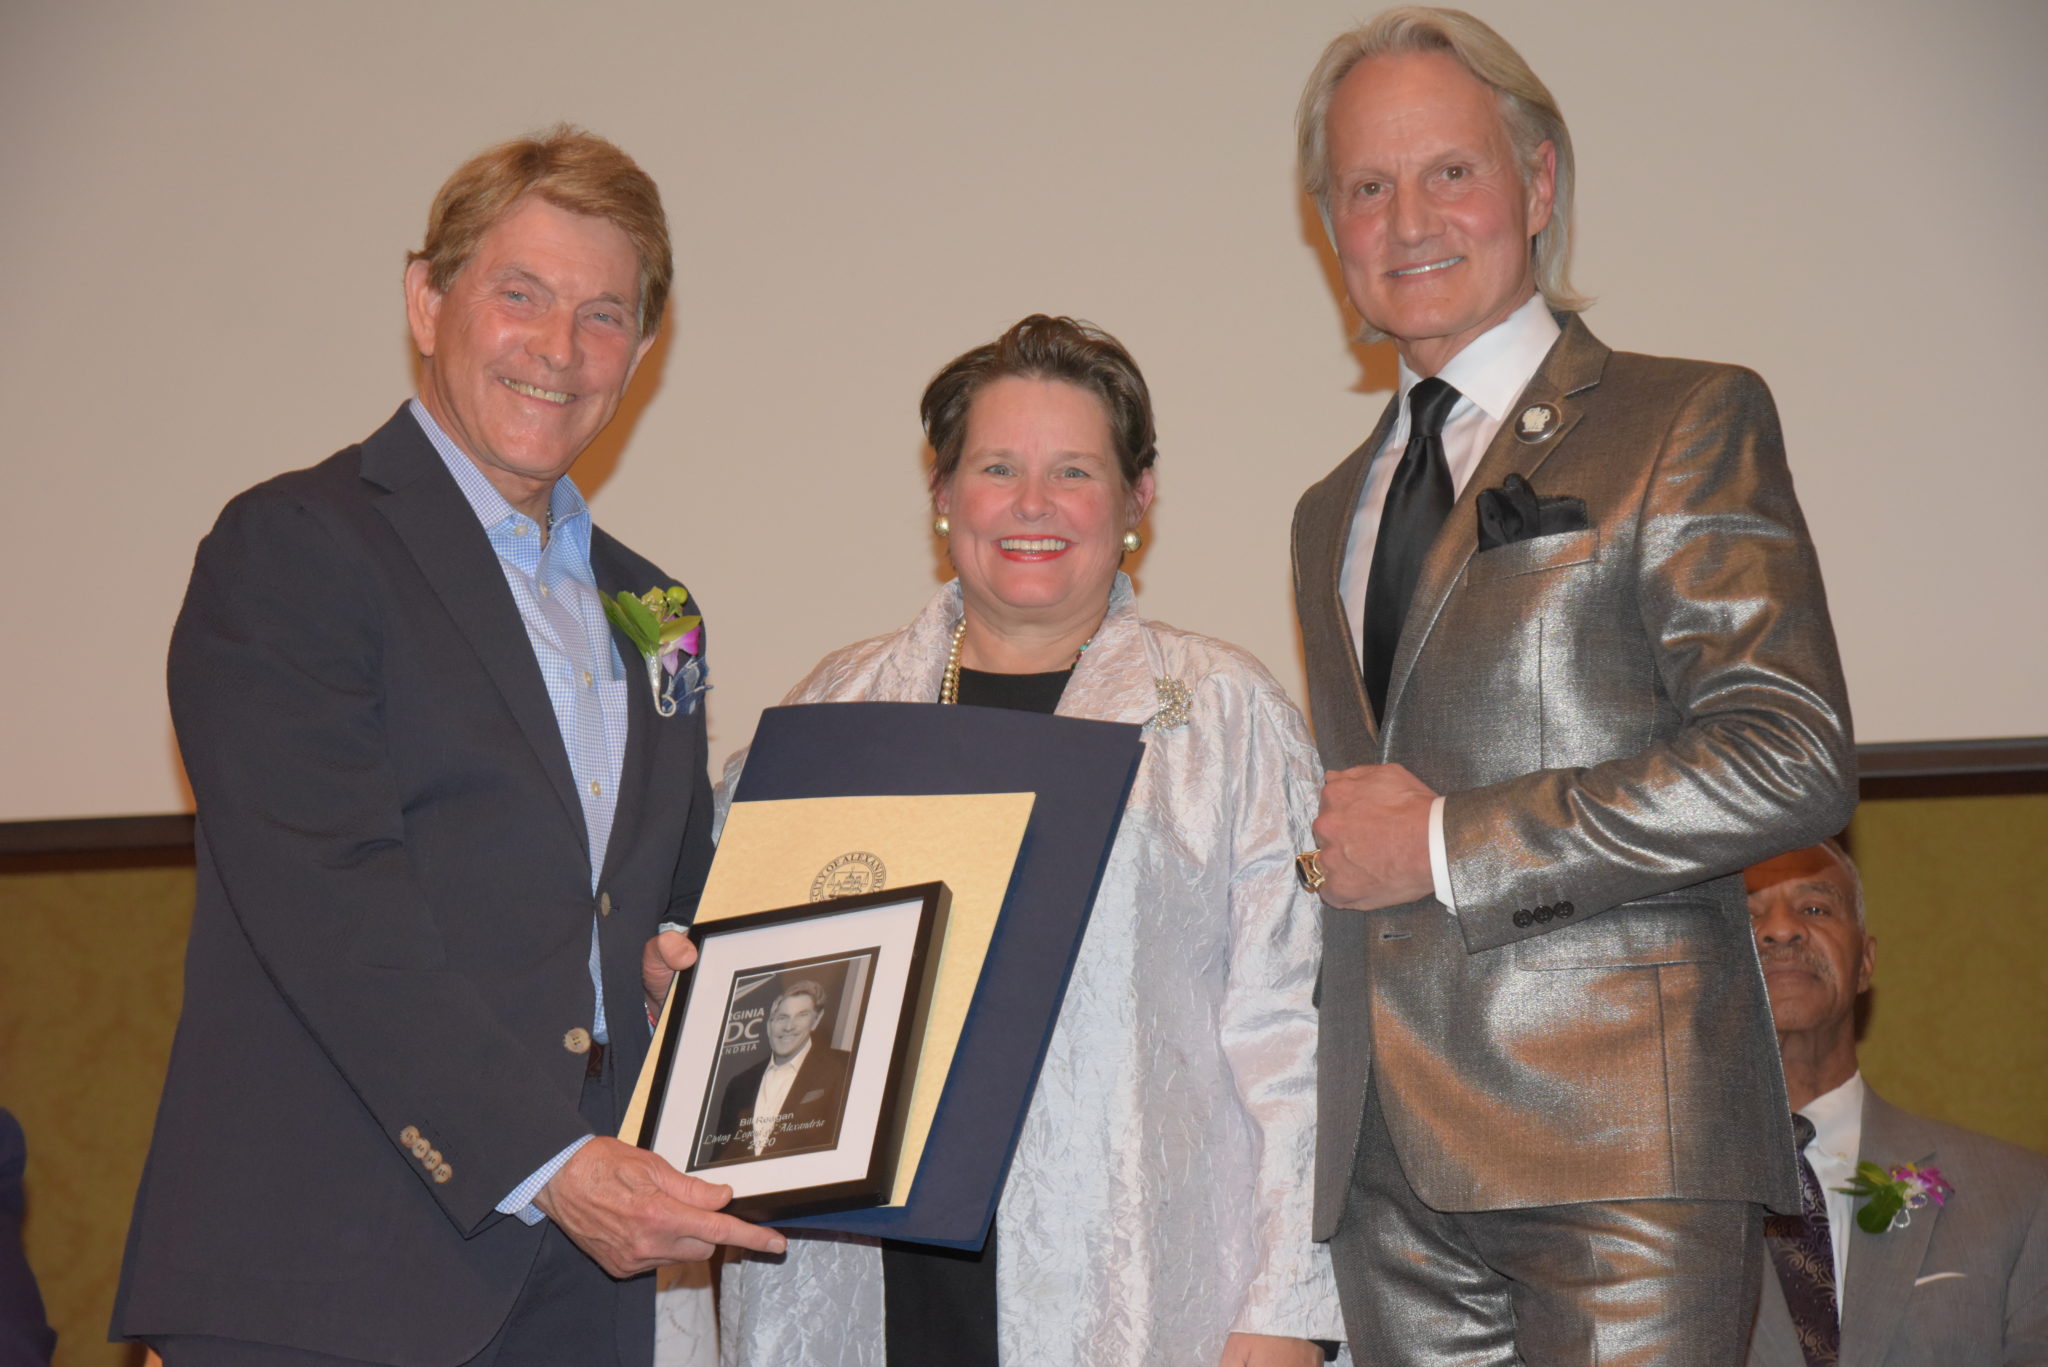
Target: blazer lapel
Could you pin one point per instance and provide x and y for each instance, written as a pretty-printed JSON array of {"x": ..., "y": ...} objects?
[
  {"x": 439, "y": 528},
  {"x": 1328, "y": 539},
  {"x": 1882, "y": 1266},
  {"x": 1573, "y": 366},
  {"x": 643, "y": 723}
]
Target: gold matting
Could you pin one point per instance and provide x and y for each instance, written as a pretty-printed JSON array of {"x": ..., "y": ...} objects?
[{"x": 786, "y": 853}]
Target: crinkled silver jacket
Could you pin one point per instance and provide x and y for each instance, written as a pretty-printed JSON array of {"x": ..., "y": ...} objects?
[{"x": 1159, "y": 1199}]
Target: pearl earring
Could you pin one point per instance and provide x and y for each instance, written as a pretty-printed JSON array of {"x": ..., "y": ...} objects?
[
  {"x": 942, "y": 526},
  {"x": 1132, "y": 541}
]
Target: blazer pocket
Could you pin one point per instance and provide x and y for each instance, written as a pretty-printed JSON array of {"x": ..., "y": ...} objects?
[
  {"x": 1638, "y": 935},
  {"x": 1536, "y": 554}
]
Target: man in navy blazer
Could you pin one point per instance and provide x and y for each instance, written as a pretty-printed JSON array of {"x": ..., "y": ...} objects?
[
  {"x": 25, "y": 1335},
  {"x": 442, "y": 809},
  {"x": 791, "y": 1101}
]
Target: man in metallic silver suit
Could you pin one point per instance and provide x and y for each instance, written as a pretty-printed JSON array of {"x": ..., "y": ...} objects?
[{"x": 1571, "y": 669}]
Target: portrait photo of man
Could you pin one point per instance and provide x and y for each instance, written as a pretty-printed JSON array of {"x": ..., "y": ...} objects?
[{"x": 792, "y": 1097}]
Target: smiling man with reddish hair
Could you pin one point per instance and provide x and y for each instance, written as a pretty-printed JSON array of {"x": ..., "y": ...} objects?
[{"x": 441, "y": 814}]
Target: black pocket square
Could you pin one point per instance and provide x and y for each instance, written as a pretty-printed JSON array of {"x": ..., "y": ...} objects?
[{"x": 1515, "y": 512}]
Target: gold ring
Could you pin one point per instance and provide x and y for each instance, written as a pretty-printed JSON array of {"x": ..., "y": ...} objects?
[{"x": 1309, "y": 869}]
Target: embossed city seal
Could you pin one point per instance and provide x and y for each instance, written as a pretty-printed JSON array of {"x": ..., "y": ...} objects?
[{"x": 848, "y": 875}]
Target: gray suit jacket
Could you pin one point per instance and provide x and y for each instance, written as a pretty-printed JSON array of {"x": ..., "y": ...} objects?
[
  {"x": 1963, "y": 1283},
  {"x": 1622, "y": 717}
]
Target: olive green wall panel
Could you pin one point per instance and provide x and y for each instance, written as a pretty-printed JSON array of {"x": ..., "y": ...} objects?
[
  {"x": 1957, "y": 892},
  {"x": 90, "y": 983}
]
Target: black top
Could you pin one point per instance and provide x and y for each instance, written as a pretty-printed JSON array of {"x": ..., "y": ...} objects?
[
  {"x": 939, "y": 1304},
  {"x": 1017, "y": 692}
]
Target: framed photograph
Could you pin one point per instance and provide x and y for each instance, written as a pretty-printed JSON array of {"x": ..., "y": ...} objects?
[{"x": 787, "y": 1071}]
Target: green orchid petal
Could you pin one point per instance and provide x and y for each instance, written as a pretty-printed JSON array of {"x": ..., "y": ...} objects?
[
  {"x": 615, "y": 614},
  {"x": 1877, "y": 1217},
  {"x": 631, "y": 616}
]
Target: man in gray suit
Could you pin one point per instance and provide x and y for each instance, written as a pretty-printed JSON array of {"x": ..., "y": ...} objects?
[
  {"x": 1571, "y": 666},
  {"x": 1963, "y": 1280}
]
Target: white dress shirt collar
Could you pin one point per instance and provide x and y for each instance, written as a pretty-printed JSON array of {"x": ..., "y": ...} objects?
[
  {"x": 771, "y": 1099},
  {"x": 1496, "y": 366},
  {"x": 793, "y": 1062},
  {"x": 1837, "y": 1118}
]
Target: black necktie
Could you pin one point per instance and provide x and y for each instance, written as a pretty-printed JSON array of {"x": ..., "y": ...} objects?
[
  {"x": 1419, "y": 498},
  {"x": 1805, "y": 1258}
]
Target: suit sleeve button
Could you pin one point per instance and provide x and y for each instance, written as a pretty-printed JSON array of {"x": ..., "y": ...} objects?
[
  {"x": 1545, "y": 913},
  {"x": 409, "y": 1136},
  {"x": 443, "y": 1173},
  {"x": 421, "y": 1148},
  {"x": 1522, "y": 919},
  {"x": 577, "y": 1041},
  {"x": 432, "y": 1160},
  {"x": 1565, "y": 908}
]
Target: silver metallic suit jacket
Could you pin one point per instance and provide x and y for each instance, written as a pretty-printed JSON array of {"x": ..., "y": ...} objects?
[
  {"x": 1159, "y": 1198},
  {"x": 1622, "y": 717}
]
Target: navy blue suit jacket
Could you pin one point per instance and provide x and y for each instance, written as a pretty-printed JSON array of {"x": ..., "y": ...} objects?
[
  {"x": 392, "y": 933},
  {"x": 25, "y": 1335}
]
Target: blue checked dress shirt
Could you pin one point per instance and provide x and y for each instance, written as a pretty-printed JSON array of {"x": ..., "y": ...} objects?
[{"x": 558, "y": 601}]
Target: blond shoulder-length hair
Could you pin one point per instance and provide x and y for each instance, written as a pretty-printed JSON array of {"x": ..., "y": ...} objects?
[{"x": 1526, "y": 107}]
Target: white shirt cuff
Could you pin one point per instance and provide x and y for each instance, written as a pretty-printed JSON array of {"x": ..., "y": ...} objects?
[
  {"x": 519, "y": 1203},
  {"x": 1439, "y": 859}
]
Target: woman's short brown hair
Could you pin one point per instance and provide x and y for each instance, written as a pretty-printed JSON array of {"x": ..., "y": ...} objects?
[
  {"x": 1043, "y": 348},
  {"x": 570, "y": 169}
]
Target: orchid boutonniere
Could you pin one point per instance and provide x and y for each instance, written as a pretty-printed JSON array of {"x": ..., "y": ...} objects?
[
  {"x": 1896, "y": 1194},
  {"x": 669, "y": 639}
]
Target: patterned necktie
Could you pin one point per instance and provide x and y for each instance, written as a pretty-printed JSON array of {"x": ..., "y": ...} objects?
[
  {"x": 1419, "y": 497},
  {"x": 1805, "y": 1259}
]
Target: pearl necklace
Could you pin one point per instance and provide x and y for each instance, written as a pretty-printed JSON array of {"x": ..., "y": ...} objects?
[{"x": 949, "y": 685}]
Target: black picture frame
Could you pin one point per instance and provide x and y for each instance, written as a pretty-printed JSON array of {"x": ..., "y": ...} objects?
[{"x": 834, "y": 1141}]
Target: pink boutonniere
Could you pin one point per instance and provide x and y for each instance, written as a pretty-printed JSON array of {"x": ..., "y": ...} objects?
[
  {"x": 670, "y": 641},
  {"x": 1895, "y": 1195}
]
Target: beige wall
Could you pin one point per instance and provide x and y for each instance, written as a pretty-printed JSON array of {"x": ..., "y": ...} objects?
[
  {"x": 89, "y": 989},
  {"x": 207, "y": 204}
]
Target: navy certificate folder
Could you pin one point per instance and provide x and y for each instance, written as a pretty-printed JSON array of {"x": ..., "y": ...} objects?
[{"x": 1082, "y": 773}]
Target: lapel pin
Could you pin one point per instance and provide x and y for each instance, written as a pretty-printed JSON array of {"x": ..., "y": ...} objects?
[{"x": 1536, "y": 422}]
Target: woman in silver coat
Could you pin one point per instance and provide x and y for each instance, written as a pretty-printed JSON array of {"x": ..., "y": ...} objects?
[{"x": 1156, "y": 1211}]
